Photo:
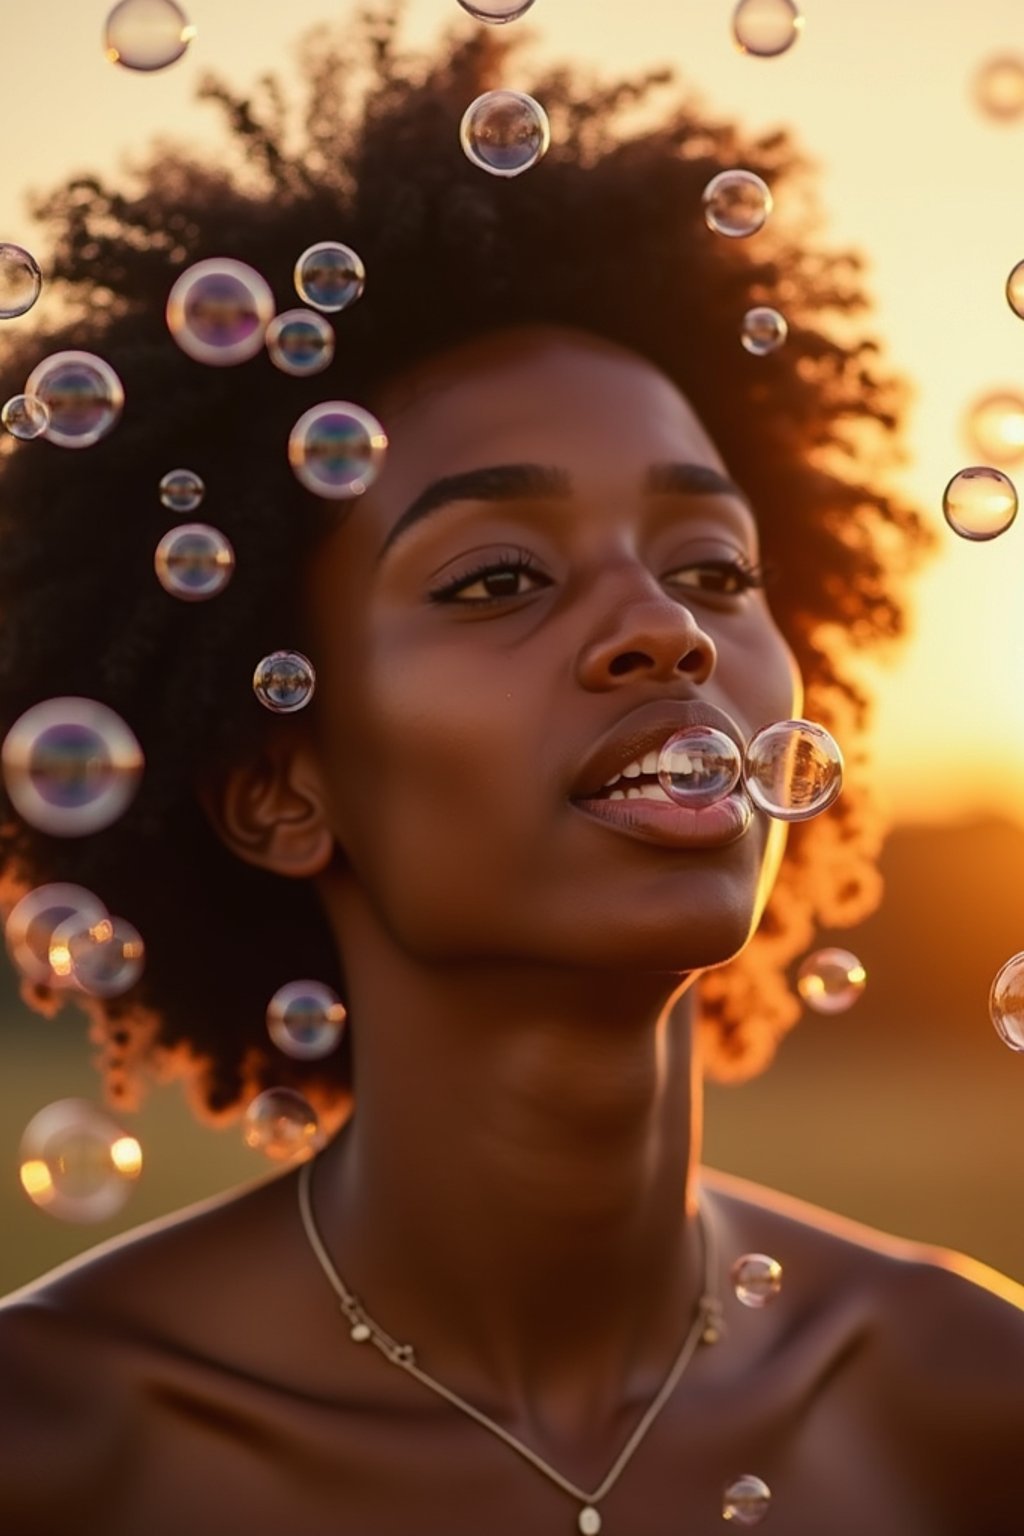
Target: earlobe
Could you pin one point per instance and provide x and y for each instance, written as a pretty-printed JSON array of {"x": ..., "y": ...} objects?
[{"x": 271, "y": 812}]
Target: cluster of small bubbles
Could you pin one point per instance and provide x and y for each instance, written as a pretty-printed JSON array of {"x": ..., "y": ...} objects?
[
  {"x": 305, "y": 1019},
  {"x": 830, "y": 980},
  {"x": 329, "y": 276},
  {"x": 25, "y": 417},
  {"x": 32, "y": 921},
  {"x": 218, "y": 311},
  {"x": 194, "y": 562},
  {"x": 104, "y": 957},
  {"x": 763, "y": 330},
  {"x": 282, "y": 1124},
  {"x": 746, "y": 1500},
  {"x": 766, "y": 28},
  {"x": 736, "y": 203},
  {"x": 1006, "y": 1003},
  {"x": 181, "y": 490},
  {"x": 284, "y": 681},
  {"x": 756, "y": 1279},
  {"x": 20, "y": 280},
  {"x": 793, "y": 769},
  {"x": 147, "y": 34},
  {"x": 505, "y": 132},
  {"x": 76, "y": 1163},
  {"x": 1015, "y": 290},
  {"x": 337, "y": 449},
  {"x": 83, "y": 395},
  {"x": 999, "y": 87},
  {"x": 698, "y": 766},
  {"x": 71, "y": 766},
  {"x": 496, "y": 11},
  {"x": 980, "y": 502},
  {"x": 994, "y": 426},
  {"x": 300, "y": 342}
]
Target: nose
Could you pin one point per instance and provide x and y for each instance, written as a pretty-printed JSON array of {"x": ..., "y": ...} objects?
[{"x": 646, "y": 635}]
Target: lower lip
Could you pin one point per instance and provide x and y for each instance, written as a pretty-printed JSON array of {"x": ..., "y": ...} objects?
[{"x": 675, "y": 826}]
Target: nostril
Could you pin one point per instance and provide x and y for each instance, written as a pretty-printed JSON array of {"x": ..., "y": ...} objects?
[
  {"x": 693, "y": 661},
  {"x": 627, "y": 662}
]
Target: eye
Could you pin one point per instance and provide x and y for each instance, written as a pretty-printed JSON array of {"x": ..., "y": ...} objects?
[
  {"x": 508, "y": 575},
  {"x": 723, "y": 578}
]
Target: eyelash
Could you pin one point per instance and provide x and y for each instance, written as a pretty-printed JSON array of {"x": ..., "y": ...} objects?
[{"x": 748, "y": 577}]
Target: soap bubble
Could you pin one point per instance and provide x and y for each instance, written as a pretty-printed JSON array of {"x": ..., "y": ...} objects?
[
  {"x": 994, "y": 427},
  {"x": 329, "y": 276},
  {"x": 104, "y": 956},
  {"x": 147, "y": 34},
  {"x": 181, "y": 490},
  {"x": 698, "y": 766},
  {"x": 282, "y": 1124},
  {"x": 218, "y": 311},
  {"x": 194, "y": 561},
  {"x": 70, "y": 766},
  {"x": 25, "y": 417},
  {"x": 20, "y": 281},
  {"x": 793, "y": 769},
  {"x": 1006, "y": 1003},
  {"x": 980, "y": 503},
  {"x": 830, "y": 980},
  {"x": 300, "y": 342},
  {"x": 305, "y": 1019},
  {"x": 32, "y": 921},
  {"x": 756, "y": 1279},
  {"x": 83, "y": 395},
  {"x": 496, "y": 11},
  {"x": 766, "y": 28},
  {"x": 736, "y": 203},
  {"x": 337, "y": 449},
  {"x": 746, "y": 1500},
  {"x": 763, "y": 330},
  {"x": 284, "y": 681},
  {"x": 76, "y": 1163},
  {"x": 505, "y": 132},
  {"x": 999, "y": 87}
]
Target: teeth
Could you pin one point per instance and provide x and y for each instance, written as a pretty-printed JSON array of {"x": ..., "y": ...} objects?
[
  {"x": 631, "y": 771},
  {"x": 650, "y": 762},
  {"x": 646, "y": 764},
  {"x": 617, "y": 794}
]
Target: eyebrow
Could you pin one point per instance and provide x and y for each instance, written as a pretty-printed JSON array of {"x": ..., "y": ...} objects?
[{"x": 518, "y": 482}]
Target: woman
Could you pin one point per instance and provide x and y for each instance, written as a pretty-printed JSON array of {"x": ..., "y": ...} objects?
[{"x": 555, "y": 572}]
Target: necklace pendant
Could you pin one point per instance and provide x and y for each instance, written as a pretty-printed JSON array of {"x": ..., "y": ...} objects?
[{"x": 589, "y": 1521}]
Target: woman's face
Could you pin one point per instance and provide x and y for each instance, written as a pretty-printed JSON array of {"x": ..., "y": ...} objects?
[{"x": 478, "y": 665}]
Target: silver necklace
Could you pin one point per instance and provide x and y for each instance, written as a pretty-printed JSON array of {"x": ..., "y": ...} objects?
[{"x": 706, "y": 1328}]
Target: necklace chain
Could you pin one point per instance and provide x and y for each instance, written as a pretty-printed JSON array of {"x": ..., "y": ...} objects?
[{"x": 706, "y": 1327}]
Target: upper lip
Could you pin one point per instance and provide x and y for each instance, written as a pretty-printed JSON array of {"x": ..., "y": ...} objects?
[{"x": 644, "y": 730}]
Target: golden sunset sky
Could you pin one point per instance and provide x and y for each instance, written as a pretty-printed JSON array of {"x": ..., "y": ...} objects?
[{"x": 879, "y": 93}]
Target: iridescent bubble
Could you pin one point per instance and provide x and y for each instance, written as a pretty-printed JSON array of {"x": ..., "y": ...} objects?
[
  {"x": 71, "y": 766},
  {"x": 505, "y": 132},
  {"x": 20, "y": 280},
  {"x": 305, "y": 1019},
  {"x": 218, "y": 311},
  {"x": 300, "y": 342},
  {"x": 746, "y": 1500},
  {"x": 32, "y": 921},
  {"x": 104, "y": 957},
  {"x": 756, "y": 1279},
  {"x": 766, "y": 28},
  {"x": 76, "y": 1163},
  {"x": 83, "y": 395},
  {"x": 1006, "y": 1003},
  {"x": 980, "y": 502},
  {"x": 329, "y": 276},
  {"x": 337, "y": 449},
  {"x": 25, "y": 417},
  {"x": 194, "y": 561},
  {"x": 147, "y": 34},
  {"x": 994, "y": 426},
  {"x": 763, "y": 330},
  {"x": 181, "y": 490},
  {"x": 793, "y": 769},
  {"x": 282, "y": 1124},
  {"x": 698, "y": 766},
  {"x": 830, "y": 980},
  {"x": 736, "y": 203},
  {"x": 496, "y": 11},
  {"x": 284, "y": 681},
  {"x": 999, "y": 87}
]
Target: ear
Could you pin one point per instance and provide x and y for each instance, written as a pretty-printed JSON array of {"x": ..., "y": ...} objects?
[{"x": 271, "y": 811}]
